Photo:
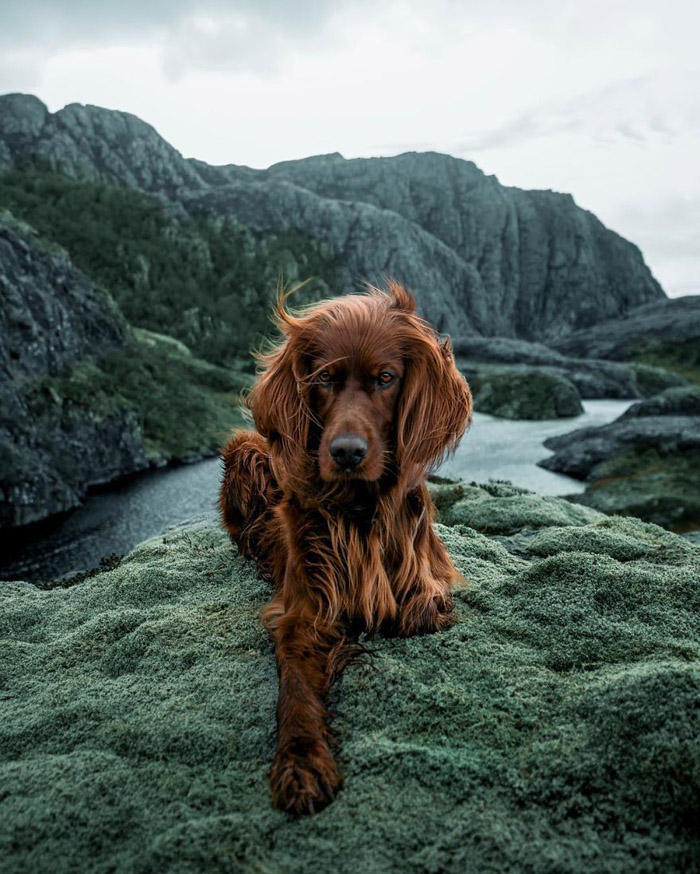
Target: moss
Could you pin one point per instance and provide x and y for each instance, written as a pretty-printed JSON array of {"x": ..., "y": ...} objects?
[
  {"x": 653, "y": 380},
  {"x": 207, "y": 282},
  {"x": 554, "y": 728},
  {"x": 663, "y": 489},
  {"x": 682, "y": 356},
  {"x": 505, "y": 515},
  {"x": 517, "y": 393}
]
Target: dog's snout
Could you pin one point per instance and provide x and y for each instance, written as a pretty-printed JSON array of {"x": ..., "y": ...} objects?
[{"x": 348, "y": 450}]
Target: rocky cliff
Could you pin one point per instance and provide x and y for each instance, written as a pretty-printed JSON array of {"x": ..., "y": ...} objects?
[
  {"x": 545, "y": 266},
  {"x": 50, "y": 318},
  {"x": 482, "y": 258},
  {"x": 83, "y": 398}
]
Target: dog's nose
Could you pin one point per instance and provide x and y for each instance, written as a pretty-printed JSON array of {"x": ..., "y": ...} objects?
[{"x": 347, "y": 450}]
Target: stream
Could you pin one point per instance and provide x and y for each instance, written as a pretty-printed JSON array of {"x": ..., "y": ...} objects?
[{"x": 116, "y": 517}]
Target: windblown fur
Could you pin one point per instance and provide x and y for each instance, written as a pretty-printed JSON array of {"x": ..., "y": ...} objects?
[{"x": 348, "y": 549}]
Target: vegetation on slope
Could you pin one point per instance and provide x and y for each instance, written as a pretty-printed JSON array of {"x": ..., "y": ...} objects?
[
  {"x": 186, "y": 406},
  {"x": 206, "y": 282},
  {"x": 682, "y": 357}
]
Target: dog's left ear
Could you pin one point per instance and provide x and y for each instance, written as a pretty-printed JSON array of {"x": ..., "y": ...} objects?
[{"x": 435, "y": 406}]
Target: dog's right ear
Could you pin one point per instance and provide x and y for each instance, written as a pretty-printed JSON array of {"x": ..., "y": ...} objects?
[{"x": 279, "y": 406}]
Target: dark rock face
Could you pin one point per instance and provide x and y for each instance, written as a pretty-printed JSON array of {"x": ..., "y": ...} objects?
[
  {"x": 481, "y": 258},
  {"x": 50, "y": 318},
  {"x": 51, "y": 315},
  {"x": 647, "y": 328}
]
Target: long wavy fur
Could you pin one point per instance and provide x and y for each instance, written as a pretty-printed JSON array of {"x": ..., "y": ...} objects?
[{"x": 345, "y": 555}]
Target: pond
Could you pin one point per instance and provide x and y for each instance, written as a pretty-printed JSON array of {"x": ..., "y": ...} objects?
[{"x": 117, "y": 517}]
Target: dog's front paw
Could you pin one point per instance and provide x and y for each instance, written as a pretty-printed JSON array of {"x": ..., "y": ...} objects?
[
  {"x": 421, "y": 615},
  {"x": 304, "y": 777}
]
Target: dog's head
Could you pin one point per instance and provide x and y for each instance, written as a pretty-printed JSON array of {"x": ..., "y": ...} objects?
[{"x": 360, "y": 387}]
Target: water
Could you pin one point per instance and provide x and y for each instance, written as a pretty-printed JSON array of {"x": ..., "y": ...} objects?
[
  {"x": 115, "y": 518},
  {"x": 498, "y": 449}
]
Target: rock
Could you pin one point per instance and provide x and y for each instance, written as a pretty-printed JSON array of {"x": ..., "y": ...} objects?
[
  {"x": 673, "y": 402},
  {"x": 554, "y": 727},
  {"x": 501, "y": 509},
  {"x": 51, "y": 314},
  {"x": 50, "y": 318},
  {"x": 578, "y": 452},
  {"x": 83, "y": 400},
  {"x": 593, "y": 378},
  {"x": 547, "y": 266},
  {"x": 645, "y": 330},
  {"x": 521, "y": 392},
  {"x": 482, "y": 258},
  {"x": 664, "y": 490},
  {"x": 93, "y": 143},
  {"x": 646, "y": 463}
]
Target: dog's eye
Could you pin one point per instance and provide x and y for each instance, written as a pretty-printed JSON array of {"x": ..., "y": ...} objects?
[
  {"x": 324, "y": 376},
  {"x": 385, "y": 378}
]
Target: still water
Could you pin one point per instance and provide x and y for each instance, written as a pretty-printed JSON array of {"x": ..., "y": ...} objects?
[{"x": 115, "y": 518}]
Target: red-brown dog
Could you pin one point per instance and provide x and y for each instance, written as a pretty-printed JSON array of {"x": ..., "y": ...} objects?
[{"x": 354, "y": 408}]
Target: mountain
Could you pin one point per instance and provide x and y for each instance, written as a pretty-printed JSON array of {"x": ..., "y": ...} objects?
[
  {"x": 657, "y": 328},
  {"x": 482, "y": 258},
  {"x": 84, "y": 399}
]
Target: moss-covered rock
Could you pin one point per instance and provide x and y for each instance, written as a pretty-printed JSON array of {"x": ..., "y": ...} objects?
[
  {"x": 646, "y": 463},
  {"x": 554, "y": 728},
  {"x": 499, "y": 508},
  {"x": 514, "y": 392}
]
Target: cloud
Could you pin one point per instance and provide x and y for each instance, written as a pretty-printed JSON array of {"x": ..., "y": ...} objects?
[
  {"x": 208, "y": 35},
  {"x": 635, "y": 109},
  {"x": 252, "y": 39}
]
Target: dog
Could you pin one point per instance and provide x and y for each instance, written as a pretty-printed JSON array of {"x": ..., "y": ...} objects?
[{"x": 358, "y": 403}]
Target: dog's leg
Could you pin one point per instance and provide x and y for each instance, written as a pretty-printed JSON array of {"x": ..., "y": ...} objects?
[
  {"x": 304, "y": 775},
  {"x": 248, "y": 497},
  {"x": 311, "y": 649},
  {"x": 424, "y": 576}
]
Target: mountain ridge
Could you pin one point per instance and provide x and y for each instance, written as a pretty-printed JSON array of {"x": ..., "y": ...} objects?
[{"x": 481, "y": 257}]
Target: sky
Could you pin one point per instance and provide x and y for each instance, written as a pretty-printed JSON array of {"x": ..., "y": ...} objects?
[{"x": 598, "y": 98}]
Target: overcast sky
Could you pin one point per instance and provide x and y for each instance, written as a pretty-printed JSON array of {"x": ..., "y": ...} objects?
[{"x": 600, "y": 98}]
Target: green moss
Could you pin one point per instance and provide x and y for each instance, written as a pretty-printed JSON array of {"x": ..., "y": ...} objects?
[
  {"x": 682, "y": 357},
  {"x": 663, "y": 489},
  {"x": 186, "y": 405},
  {"x": 517, "y": 393},
  {"x": 207, "y": 282},
  {"x": 504, "y": 515},
  {"x": 653, "y": 380},
  {"x": 554, "y": 728}
]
